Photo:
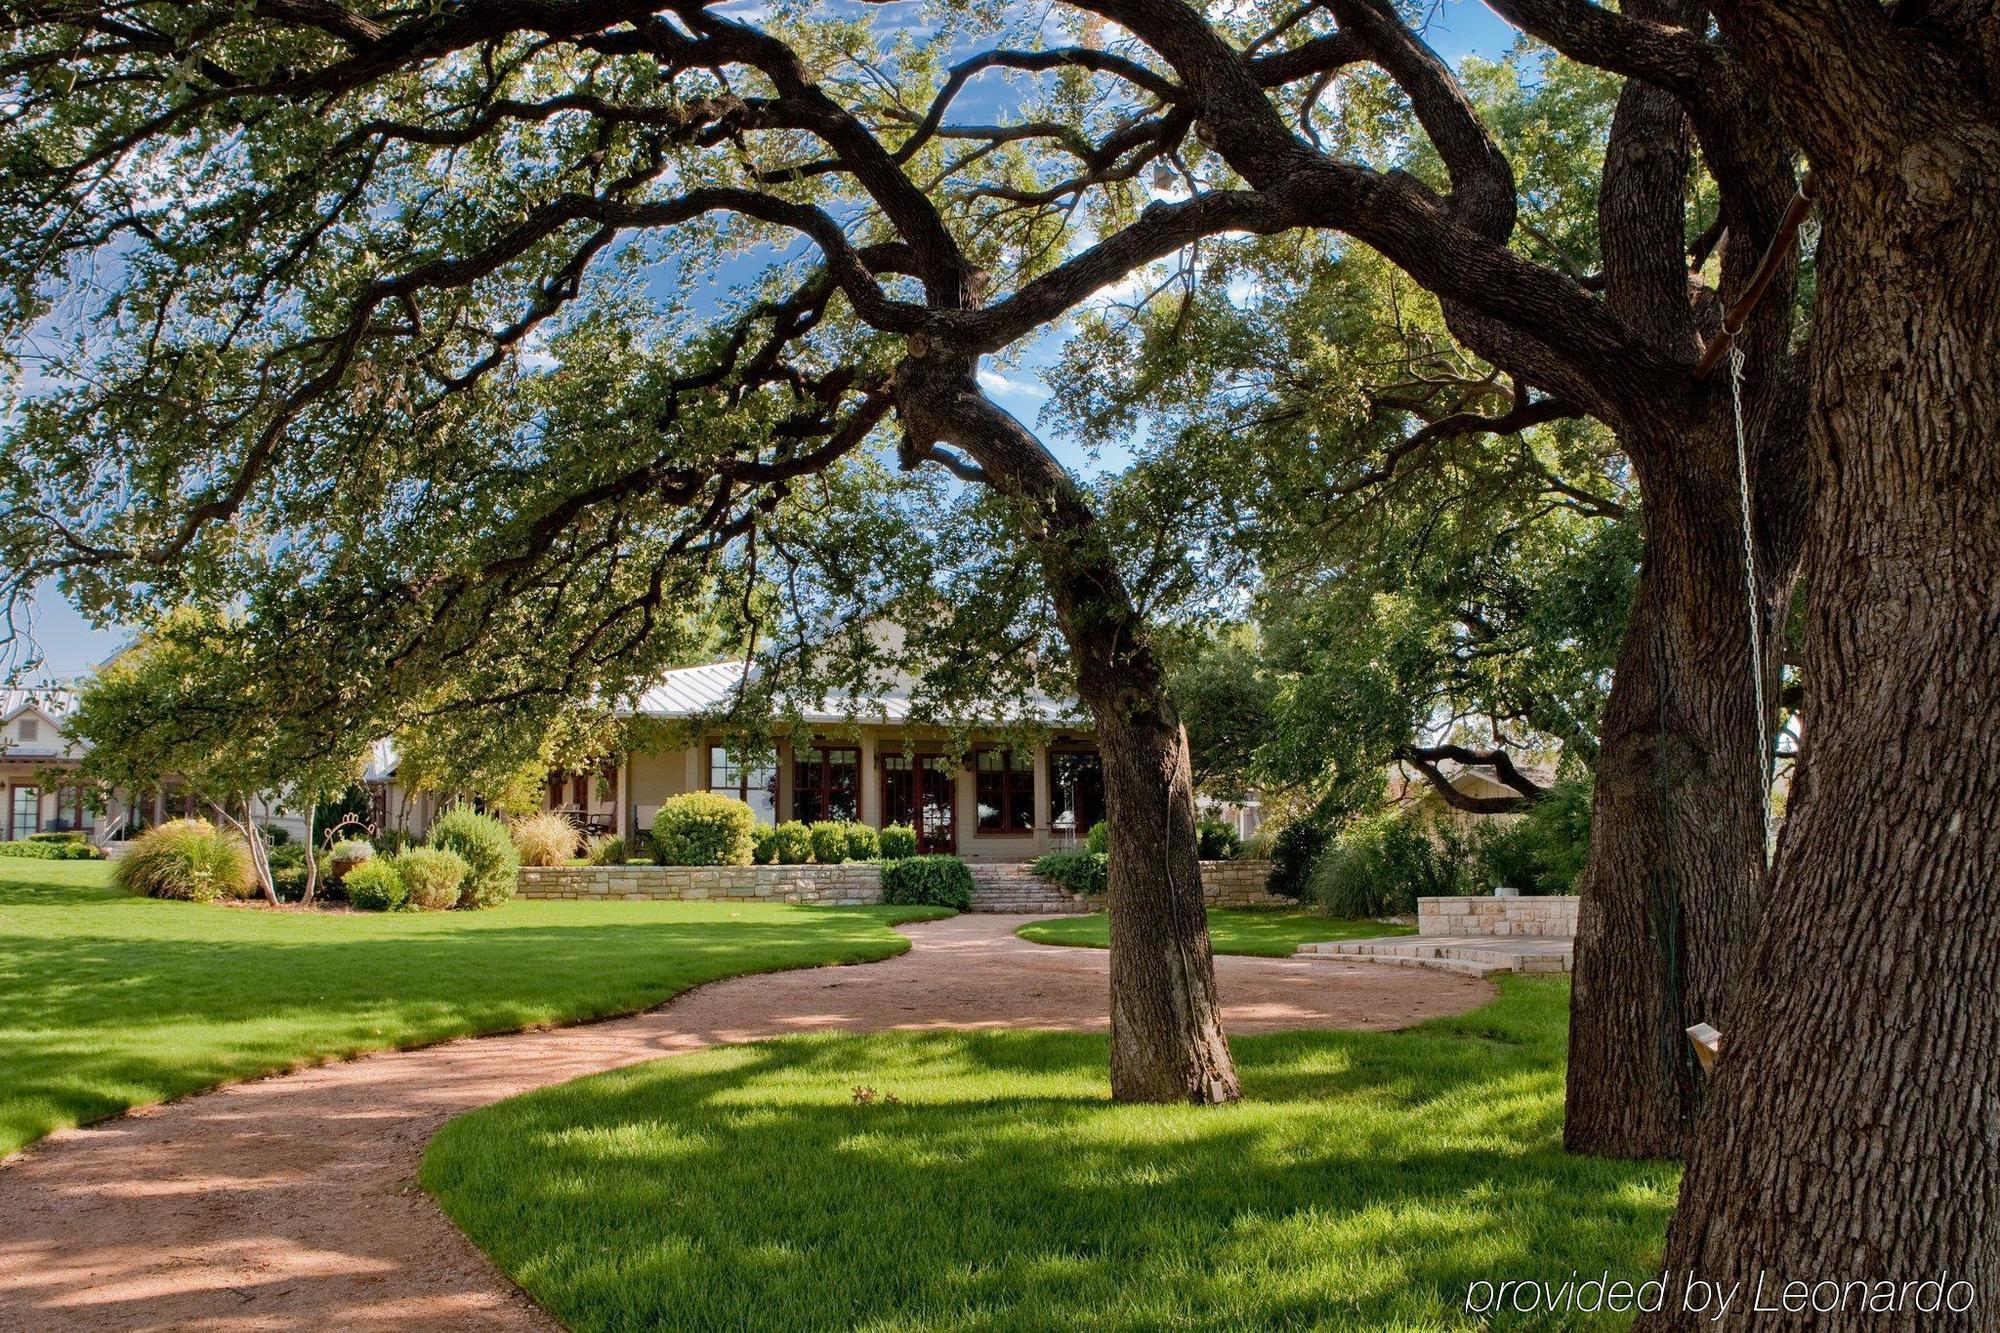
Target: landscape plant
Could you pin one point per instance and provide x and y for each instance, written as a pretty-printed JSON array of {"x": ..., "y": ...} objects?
[
  {"x": 829, "y": 842},
  {"x": 898, "y": 841},
  {"x": 606, "y": 849},
  {"x": 1078, "y": 870},
  {"x": 1217, "y": 841},
  {"x": 431, "y": 878},
  {"x": 791, "y": 843},
  {"x": 863, "y": 843},
  {"x": 934, "y": 881},
  {"x": 482, "y": 842},
  {"x": 375, "y": 886},
  {"x": 703, "y": 829},
  {"x": 186, "y": 859},
  {"x": 544, "y": 839}
]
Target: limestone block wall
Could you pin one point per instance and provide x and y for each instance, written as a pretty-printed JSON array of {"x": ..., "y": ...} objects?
[
  {"x": 1239, "y": 884},
  {"x": 1496, "y": 916},
  {"x": 828, "y": 886},
  {"x": 1223, "y": 883}
]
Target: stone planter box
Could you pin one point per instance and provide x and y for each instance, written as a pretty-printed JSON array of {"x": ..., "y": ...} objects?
[{"x": 1497, "y": 916}]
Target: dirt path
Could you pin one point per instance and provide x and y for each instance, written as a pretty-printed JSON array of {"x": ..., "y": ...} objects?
[{"x": 291, "y": 1203}]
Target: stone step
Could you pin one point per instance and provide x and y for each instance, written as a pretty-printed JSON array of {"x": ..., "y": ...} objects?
[{"x": 1011, "y": 887}]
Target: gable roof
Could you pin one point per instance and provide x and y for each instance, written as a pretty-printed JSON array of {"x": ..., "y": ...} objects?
[{"x": 50, "y": 703}]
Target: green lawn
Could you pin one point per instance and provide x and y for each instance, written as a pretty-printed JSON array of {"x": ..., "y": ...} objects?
[
  {"x": 109, "y": 1002},
  {"x": 1365, "y": 1181},
  {"x": 1230, "y": 930}
]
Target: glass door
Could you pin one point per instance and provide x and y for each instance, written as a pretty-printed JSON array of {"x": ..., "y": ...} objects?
[
  {"x": 922, "y": 793},
  {"x": 27, "y": 813},
  {"x": 937, "y": 813}
]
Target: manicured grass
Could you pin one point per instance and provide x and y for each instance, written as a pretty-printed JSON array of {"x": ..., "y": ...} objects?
[
  {"x": 1230, "y": 930},
  {"x": 1365, "y": 1181},
  {"x": 109, "y": 1002}
]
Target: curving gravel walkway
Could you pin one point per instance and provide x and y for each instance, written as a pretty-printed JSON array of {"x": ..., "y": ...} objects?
[{"x": 291, "y": 1203}]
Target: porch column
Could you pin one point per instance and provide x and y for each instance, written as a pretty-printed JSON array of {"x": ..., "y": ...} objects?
[
  {"x": 870, "y": 778},
  {"x": 622, "y": 793},
  {"x": 1044, "y": 794}
]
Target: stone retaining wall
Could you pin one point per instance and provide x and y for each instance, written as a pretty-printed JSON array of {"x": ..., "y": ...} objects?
[
  {"x": 1223, "y": 883},
  {"x": 1239, "y": 884},
  {"x": 1496, "y": 916},
  {"x": 830, "y": 886}
]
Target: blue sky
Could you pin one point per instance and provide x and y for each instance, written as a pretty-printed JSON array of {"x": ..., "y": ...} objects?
[{"x": 71, "y": 645}]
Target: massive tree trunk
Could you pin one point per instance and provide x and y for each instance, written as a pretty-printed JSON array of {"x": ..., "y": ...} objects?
[
  {"x": 1854, "y": 1131},
  {"x": 1167, "y": 1042},
  {"x": 1671, "y": 889}
]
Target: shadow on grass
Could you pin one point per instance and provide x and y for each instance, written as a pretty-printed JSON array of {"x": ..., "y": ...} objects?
[
  {"x": 1366, "y": 1180},
  {"x": 107, "y": 1002}
]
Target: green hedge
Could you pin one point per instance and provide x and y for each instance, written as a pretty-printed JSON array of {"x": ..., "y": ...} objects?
[
  {"x": 931, "y": 881},
  {"x": 1079, "y": 871},
  {"x": 51, "y": 851},
  {"x": 703, "y": 829},
  {"x": 1216, "y": 841}
]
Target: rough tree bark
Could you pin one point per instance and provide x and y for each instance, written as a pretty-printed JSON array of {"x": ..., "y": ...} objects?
[
  {"x": 1670, "y": 893},
  {"x": 1854, "y": 1130},
  {"x": 1167, "y": 1043}
]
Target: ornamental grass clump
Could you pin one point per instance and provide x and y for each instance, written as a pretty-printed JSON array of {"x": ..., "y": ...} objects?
[
  {"x": 703, "y": 829},
  {"x": 545, "y": 839},
  {"x": 482, "y": 840},
  {"x": 189, "y": 860},
  {"x": 605, "y": 849},
  {"x": 432, "y": 878}
]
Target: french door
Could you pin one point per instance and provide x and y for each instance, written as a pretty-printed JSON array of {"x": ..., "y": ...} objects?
[{"x": 922, "y": 793}]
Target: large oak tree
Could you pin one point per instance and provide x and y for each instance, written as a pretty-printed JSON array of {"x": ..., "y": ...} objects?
[{"x": 332, "y": 238}]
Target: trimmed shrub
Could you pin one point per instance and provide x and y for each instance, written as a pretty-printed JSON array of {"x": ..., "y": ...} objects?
[
  {"x": 763, "y": 845},
  {"x": 862, "y": 844},
  {"x": 791, "y": 843},
  {"x": 32, "y": 851},
  {"x": 57, "y": 835},
  {"x": 829, "y": 843},
  {"x": 930, "y": 881},
  {"x": 1079, "y": 870},
  {"x": 186, "y": 859},
  {"x": 1099, "y": 838},
  {"x": 78, "y": 851},
  {"x": 897, "y": 842},
  {"x": 376, "y": 886},
  {"x": 703, "y": 829},
  {"x": 1216, "y": 841},
  {"x": 432, "y": 878},
  {"x": 277, "y": 834},
  {"x": 483, "y": 843},
  {"x": 605, "y": 849},
  {"x": 545, "y": 839}
]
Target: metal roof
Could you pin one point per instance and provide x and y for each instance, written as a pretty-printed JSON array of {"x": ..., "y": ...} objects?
[{"x": 700, "y": 691}]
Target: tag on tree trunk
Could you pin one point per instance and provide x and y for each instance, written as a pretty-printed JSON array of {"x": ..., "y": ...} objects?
[{"x": 1707, "y": 1045}]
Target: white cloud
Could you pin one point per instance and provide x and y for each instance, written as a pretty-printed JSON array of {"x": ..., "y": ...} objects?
[{"x": 994, "y": 382}]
